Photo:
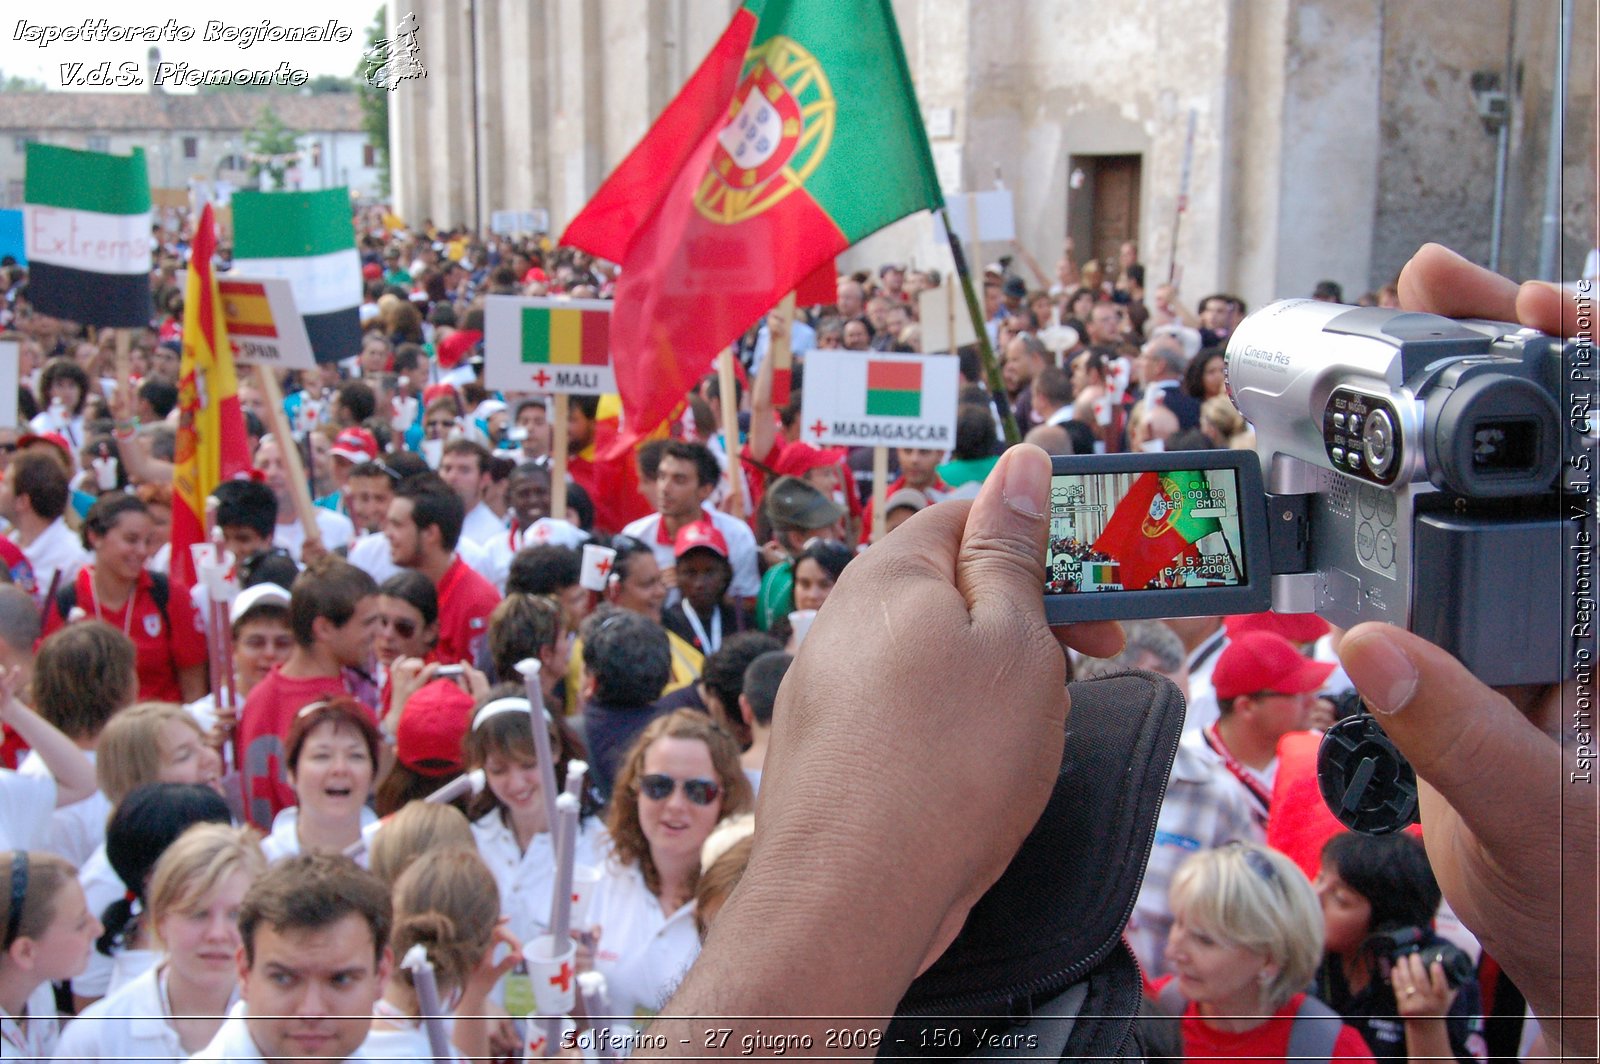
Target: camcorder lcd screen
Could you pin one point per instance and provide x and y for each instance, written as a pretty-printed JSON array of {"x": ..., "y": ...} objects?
[{"x": 1168, "y": 535}]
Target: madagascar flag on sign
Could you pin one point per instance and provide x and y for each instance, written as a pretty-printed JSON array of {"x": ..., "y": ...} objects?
[
  {"x": 797, "y": 136},
  {"x": 894, "y": 389},
  {"x": 1153, "y": 525}
]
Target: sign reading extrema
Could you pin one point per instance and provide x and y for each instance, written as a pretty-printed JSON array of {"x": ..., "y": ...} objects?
[
  {"x": 862, "y": 398},
  {"x": 547, "y": 345}
]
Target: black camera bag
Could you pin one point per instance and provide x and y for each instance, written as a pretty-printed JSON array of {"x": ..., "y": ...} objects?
[{"x": 1040, "y": 970}]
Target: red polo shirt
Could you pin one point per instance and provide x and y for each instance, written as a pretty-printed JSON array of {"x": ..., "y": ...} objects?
[
  {"x": 465, "y": 601},
  {"x": 263, "y": 726},
  {"x": 162, "y": 649}
]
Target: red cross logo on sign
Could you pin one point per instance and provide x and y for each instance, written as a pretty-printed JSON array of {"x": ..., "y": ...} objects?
[
  {"x": 819, "y": 427},
  {"x": 541, "y": 379}
]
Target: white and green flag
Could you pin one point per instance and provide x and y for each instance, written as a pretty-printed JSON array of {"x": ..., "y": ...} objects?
[
  {"x": 308, "y": 239},
  {"x": 87, "y": 226}
]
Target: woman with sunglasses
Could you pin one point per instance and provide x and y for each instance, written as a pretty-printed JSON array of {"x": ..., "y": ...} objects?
[
  {"x": 408, "y": 628},
  {"x": 1245, "y": 941},
  {"x": 680, "y": 779}
]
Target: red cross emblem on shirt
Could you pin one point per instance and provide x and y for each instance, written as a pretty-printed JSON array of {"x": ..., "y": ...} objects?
[
  {"x": 541, "y": 379},
  {"x": 603, "y": 566},
  {"x": 819, "y": 428},
  {"x": 563, "y": 978}
]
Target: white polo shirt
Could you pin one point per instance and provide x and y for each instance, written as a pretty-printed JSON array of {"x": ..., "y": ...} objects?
[
  {"x": 643, "y": 953},
  {"x": 742, "y": 551},
  {"x": 130, "y": 1024},
  {"x": 527, "y": 879}
]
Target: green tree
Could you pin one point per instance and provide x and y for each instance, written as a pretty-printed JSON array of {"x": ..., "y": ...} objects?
[
  {"x": 272, "y": 147},
  {"x": 18, "y": 83},
  {"x": 375, "y": 101}
]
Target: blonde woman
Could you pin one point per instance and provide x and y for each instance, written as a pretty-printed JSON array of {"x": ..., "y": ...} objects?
[
  {"x": 418, "y": 828},
  {"x": 445, "y": 901},
  {"x": 1246, "y": 939},
  {"x": 175, "y": 1008},
  {"x": 149, "y": 742}
]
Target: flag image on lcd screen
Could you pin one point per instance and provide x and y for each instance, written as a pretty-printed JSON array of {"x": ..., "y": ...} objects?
[{"x": 1144, "y": 531}]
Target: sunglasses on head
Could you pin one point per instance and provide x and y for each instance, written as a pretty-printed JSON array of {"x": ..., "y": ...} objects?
[{"x": 658, "y": 788}]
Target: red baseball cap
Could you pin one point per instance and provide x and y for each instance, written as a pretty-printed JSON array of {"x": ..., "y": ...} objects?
[
  {"x": 372, "y": 271},
  {"x": 454, "y": 348},
  {"x": 1266, "y": 661},
  {"x": 436, "y": 391},
  {"x": 356, "y": 445},
  {"x": 432, "y": 727},
  {"x": 1295, "y": 627},
  {"x": 699, "y": 534},
  {"x": 55, "y": 439},
  {"x": 800, "y": 458}
]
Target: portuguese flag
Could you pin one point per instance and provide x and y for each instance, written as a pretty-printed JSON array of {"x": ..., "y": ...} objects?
[
  {"x": 565, "y": 337},
  {"x": 796, "y": 137},
  {"x": 86, "y": 216},
  {"x": 1153, "y": 525},
  {"x": 894, "y": 389}
]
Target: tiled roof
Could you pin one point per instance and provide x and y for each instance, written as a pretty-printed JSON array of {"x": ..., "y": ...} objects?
[{"x": 112, "y": 112}]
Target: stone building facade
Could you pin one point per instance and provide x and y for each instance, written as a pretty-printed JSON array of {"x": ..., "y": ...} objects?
[
  {"x": 1331, "y": 136},
  {"x": 191, "y": 141}
]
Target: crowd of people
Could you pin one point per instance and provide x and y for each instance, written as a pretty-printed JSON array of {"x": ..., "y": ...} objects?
[{"x": 198, "y": 876}]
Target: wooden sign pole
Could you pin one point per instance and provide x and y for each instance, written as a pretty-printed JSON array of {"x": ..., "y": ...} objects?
[{"x": 298, "y": 486}]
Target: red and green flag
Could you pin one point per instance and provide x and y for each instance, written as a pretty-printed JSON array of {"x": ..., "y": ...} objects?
[
  {"x": 796, "y": 137},
  {"x": 554, "y": 337},
  {"x": 894, "y": 389},
  {"x": 1154, "y": 523}
]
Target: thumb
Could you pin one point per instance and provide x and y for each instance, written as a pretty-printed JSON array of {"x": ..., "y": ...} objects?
[
  {"x": 1000, "y": 565},
  {"x": 1455, "y": 730}
]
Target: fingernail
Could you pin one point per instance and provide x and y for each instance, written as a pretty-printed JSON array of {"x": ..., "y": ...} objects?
[
  {"x": 1383, "y": 674},
  {"x": 1025, "y": 483}
]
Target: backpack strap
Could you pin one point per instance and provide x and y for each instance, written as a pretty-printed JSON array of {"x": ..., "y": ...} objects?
[
  {"x": 160, "y": 593},
  {"x": 1314, "y": 1032}
]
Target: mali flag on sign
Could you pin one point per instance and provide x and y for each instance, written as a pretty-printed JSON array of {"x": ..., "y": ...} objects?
[
  {"x": 796, "y": 137},
  {"x": 211, "y": 441},
  {"x": 1153, "y": 525},
  {"x": 555, "y": 337}
]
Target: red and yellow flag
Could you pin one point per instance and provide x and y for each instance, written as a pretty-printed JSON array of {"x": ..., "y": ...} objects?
[{"x": 211, "y": 440}]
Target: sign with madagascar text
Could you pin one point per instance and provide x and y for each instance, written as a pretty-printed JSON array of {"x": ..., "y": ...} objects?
[
  {"x": 547, "y": 345},
  {"x": 861, "y": 398},
  {"x": 265, "y": 328}
]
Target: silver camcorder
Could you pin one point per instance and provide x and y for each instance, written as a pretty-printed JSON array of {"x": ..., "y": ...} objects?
[{"x": 1425, "y": 472}]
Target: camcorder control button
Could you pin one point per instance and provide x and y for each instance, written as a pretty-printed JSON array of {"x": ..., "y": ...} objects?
[
  {"x": 1355, "y": 424},
  {"x": 1385, "y": 548},
  {"x": 1338, "y": 454},
  {"x": 1355, "y": 461},
  {"x": 1338, "y": 422}
]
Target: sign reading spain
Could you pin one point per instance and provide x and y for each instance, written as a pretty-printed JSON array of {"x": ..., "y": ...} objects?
[
  {"x": 547, "y": 345},
  {"x": 264, "y": 326},
  {"x": 864, "y": 399}
]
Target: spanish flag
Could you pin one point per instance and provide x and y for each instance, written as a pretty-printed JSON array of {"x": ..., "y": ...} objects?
[{"x": 211, "y": 440}]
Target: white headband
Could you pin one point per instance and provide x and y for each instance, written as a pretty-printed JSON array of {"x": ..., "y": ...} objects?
[{"x": 506, "y": 705}]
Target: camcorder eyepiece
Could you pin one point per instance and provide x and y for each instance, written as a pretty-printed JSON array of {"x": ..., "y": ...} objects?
[{"x": 1428, "y": 473}]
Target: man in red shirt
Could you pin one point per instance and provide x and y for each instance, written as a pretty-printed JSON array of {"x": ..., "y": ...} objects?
[
  {"x": 333, "y": 612},
  {"x": 423, "y": 528}
]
